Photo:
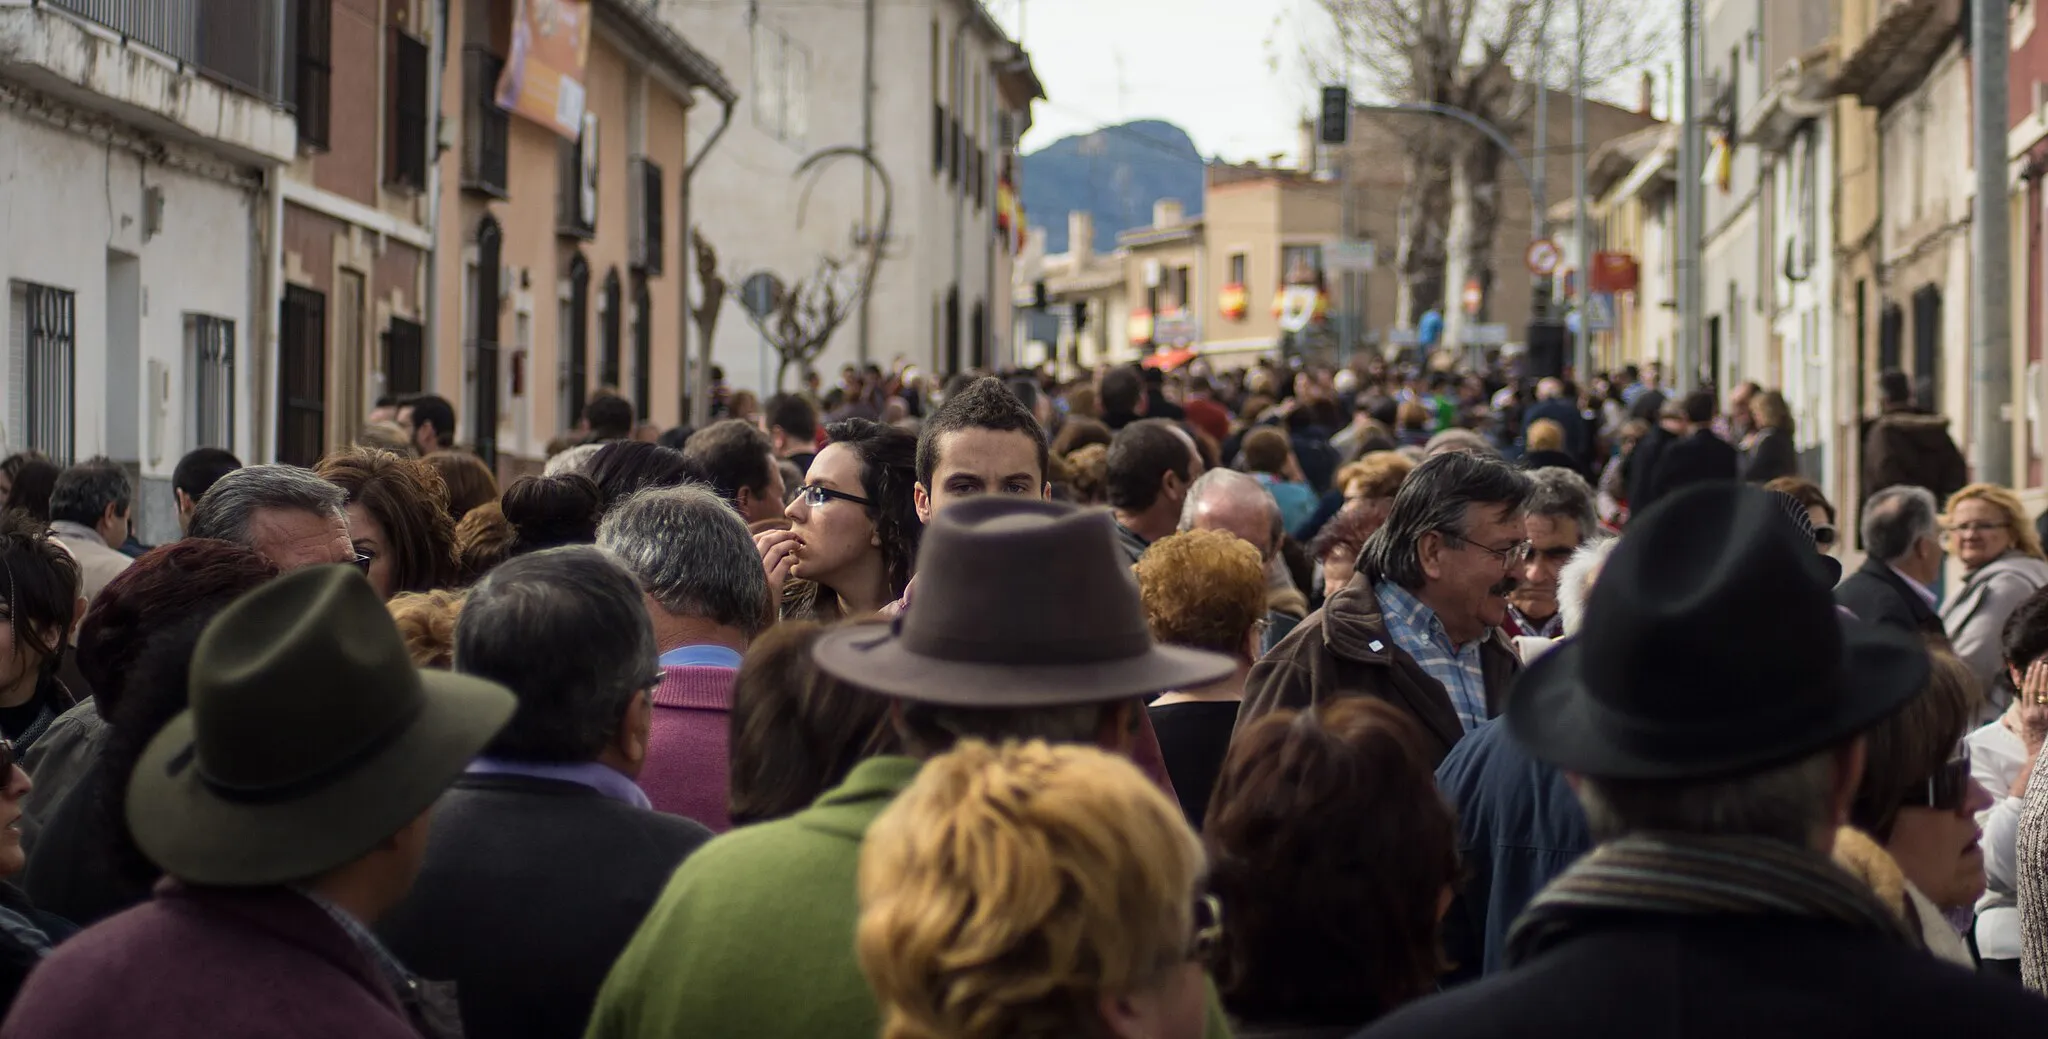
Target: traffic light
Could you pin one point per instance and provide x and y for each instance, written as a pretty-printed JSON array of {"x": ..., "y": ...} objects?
[{"x": 1336, "y": 124}]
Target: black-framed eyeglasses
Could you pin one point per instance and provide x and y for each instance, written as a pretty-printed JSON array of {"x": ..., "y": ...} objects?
[
  {"x": 362, "y": 562},
  {"x": 8, "y": 759},
  {"x": 1948, "y": 789},
  {"x": 1508, "y": 556},
  {"x": 1824, "y": 535},
  {"x": 814, "y": 496},
  {"x": 1207, "y": 934}
]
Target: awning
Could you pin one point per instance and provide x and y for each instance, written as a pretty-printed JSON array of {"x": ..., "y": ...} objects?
[{"x": 1168, "y": 360}]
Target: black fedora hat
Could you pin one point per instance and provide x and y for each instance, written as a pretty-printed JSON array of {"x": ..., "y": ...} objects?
[
  {"x": 310, "y": 737},
  {"x": 1020, "y": 603},
  {"x": 1712, "y": 647}
]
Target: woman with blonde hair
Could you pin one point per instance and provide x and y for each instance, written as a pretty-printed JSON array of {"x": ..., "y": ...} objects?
[
  {"x": 1769, "y": 452},
  {"x": 2003, "y": 565},
  {"x": 1034, "y": 890},
  {"x": 427, "y": 620}
]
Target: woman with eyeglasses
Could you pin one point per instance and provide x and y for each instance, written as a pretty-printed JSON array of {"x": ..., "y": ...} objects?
[
  {"x": 1819, "y": 510},
  {"x": 853, "y": 529},
  {"x": 2003, "y": 565},
  {"x": 397, "y": 519},
  {"x": 1034, "y": 890},
  {"x": 1335, "y": 859},
  {"x": 1912, "y": 833},
  {"x": 2002, "y": 758}
]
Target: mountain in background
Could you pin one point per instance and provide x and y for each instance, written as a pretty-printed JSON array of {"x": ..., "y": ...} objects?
[{"x": 1116, "y": 173}]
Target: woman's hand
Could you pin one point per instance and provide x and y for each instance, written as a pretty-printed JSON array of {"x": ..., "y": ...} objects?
[
  {"x": 778, "y": 557},
  {"x": 2033, "y": 720}
]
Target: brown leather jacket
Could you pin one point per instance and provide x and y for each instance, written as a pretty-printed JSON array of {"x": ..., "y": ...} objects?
[{"x": 1343, "y": 649}]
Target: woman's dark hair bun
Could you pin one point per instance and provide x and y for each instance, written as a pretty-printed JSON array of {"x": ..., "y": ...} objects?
[{"x": 551, "y": 511}]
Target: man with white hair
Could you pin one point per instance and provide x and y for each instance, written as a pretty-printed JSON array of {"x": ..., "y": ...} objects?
[
  {"x": 1237, "y": 504},
  {"x": 1560, "y": 518},
  {"x": 1895, "y": 587}
]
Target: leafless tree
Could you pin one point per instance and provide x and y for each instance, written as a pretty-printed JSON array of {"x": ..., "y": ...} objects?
[{"x": 1487, "y": 57}]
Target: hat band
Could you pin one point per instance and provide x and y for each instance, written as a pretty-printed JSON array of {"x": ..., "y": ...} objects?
[
  {"x": 1049, "y": 652},
  {"x": 272, "y": 793}
]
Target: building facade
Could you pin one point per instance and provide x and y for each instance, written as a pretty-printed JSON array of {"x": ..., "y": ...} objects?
[
  {"x": 1634, "y": 182},
  {"x": 141, "y": 176}
]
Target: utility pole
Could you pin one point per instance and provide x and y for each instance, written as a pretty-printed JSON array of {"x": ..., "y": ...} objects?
[
  {"x": 1691, "y": 204},
  {"x": 1990, "y": 404},
  {"x": 1541, "y": 288},
  {"x": 1582, "y": 350}
]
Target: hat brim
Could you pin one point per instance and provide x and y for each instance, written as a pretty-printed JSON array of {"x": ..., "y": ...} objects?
[
  {"x": 1556, "y": 717},
  {"x": 880, "y": 662},
  {"x": 199, "y": 836}
]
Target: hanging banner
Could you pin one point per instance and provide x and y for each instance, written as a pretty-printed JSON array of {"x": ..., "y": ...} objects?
[{"x": 543, "y": 78}]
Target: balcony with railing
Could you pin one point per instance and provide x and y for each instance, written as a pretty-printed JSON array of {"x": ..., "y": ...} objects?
[
  {"x": 212, "y": 71},
  {"x": 486, "y": 128}
]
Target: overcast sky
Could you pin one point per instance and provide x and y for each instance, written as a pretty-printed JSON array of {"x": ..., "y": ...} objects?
[{"x": 1229, "y": 72}]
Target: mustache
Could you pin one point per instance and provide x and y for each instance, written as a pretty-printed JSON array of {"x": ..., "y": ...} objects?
[{"x": 1506, "y": 586}]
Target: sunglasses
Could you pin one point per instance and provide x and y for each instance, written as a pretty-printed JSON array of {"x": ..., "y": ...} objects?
[
  {"x": 1948, "y": 789},
  {"x": 814, "y": 496},
  {"x": 8, "y": 759},
  {"x": 362, "y": 562},
  {"x": 1824, "y": 535}
]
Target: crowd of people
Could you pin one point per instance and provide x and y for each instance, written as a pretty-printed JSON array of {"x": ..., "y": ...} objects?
[{"x": 1287, "y": 702}]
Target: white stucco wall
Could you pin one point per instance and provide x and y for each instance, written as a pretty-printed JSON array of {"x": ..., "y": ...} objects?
[
  {"x": 1804, "y": 323},
  {"x": 71, "y": 216}
]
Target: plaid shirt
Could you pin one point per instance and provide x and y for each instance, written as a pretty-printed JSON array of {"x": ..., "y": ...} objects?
[{"x": 1416, "y": 629}]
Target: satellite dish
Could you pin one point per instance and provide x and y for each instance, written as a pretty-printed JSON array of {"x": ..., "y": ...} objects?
[{"x": 762, "y": 294}]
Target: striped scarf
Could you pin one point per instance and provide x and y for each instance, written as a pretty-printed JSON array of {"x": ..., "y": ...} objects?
[{"x": 1682, "y": 875}]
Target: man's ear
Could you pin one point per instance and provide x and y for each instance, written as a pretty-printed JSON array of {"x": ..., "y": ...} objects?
[
  {"x": 1045, "y": 490},
  {"x": 922, "y": 498},
  {"x": 1429, "y": 549}
]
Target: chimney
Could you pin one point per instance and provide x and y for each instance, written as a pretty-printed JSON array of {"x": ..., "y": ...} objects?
[
  {"x": 1307, "y": 161},
  {"x": 1646, "y": 102},
  {"x": 1080, "y": 239},
  {"x": 1166, "y": 213}
]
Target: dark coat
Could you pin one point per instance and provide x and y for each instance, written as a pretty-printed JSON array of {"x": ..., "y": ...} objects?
[
  {"x": 1879, "y": 596},
  {"x": 1642, "y": 976},
  {"x": 1343, "y": 649},
  {"x": 1519, "y": 826},
  {"x": 83, "y": 867},
  {"x": 1578, "y": 440},
  {"x": 530, "y": 889},
  {"x": 1907, "y": 447},
  {"x": 1699, "y": 458},
  {"x": 1770, "y": 456},
  {"x": 1639, "y": 468},
  {"x": 211, "y": 963}
]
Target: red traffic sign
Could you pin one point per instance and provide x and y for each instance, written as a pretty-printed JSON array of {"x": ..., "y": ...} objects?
[
  {"x": 1542, "y": 257},
  {"x": 1474, "y": 296}
]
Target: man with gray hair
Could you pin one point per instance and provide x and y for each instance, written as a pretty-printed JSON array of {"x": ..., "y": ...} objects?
[
  {"x": 284, "y": 513},
  {"x": 1420, "y": 627},
  {"x": 89, "y": 516},
  {"x": 1237, "y": 504},
  {"x": 704, "y": 590},
  {"x": 1895, "y": 587},
  {"x": 544, "y": 856},
  {"x": 1559, "y": 517}
]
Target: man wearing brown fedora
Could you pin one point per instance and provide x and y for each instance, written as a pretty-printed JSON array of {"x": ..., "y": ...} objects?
[
  {"x": 288, "y": 807},
  {"x": 754, "y": 936},
  {"x": 1711, "y": 720}
]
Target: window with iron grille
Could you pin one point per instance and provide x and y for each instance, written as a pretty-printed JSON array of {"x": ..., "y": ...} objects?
[
  {"x": 486, "y": 128},
  {"x": 42, "y": 351},
  {"x": 302, "y": 377},
  {"x": 576, "y": 343},
  {"x": 643, "y": 347},
  {"x": 576, "y": 183},
  {"x": 609, "y": 343},
  {"x": 406, "y": 152},
  {"x": 489, "y": 296},
  {"x": 647, "y": 240},
  {"x": 210, "y": 375},
  {"x": 405, "y": 358},
  {"x": 313, "y": 68}
]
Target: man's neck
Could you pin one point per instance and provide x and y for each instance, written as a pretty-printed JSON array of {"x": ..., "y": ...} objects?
[
  {"x": 1533, "y": 618},
  {"x": 1459, "y": 634},
  {"x": 1152, "y": 524},
  {"x": 673, "y": 632},
  {"x": 1925, "y": 574}
]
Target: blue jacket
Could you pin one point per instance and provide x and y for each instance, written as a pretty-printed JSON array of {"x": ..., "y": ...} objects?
[{"x": 1519, "y": 826}]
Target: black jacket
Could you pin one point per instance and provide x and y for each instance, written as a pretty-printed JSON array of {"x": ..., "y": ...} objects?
[
  {"x": 1699, "y": 458},
  {"x": 1879, "y": 596},
  {"x": 530, "y": 889},
  {"x": 1642, "y": 976}
]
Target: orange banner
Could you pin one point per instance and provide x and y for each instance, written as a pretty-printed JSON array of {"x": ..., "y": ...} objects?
[{"x": 543, "y": 78}]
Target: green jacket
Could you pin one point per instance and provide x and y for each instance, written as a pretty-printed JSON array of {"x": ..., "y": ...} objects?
[{"x": 754, "y": 935}]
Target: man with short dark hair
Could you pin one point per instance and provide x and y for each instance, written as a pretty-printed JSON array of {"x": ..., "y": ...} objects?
[
  {"x": 1419, "y": 625},
  {"x": 1152, "y": 464},
  {"x": 196, "y": 474},
  {"x": 1122, "y": 396},
  {"x": 286, "y": 514},
  {"x": 776, "y": 901},
  {"x": 429, "y": 421},
  {"x": 740, "y": 461},
  {"x": 1902, "y": 539},
  {"x": 1905, "y": 445},
  {"x": 983, "y": 440},
  {"x": 702, "y": 584},
  {"x": 1696, "y": 456},
  {"x": 89, "y": 516},
  {"x": 793, "y": 427},
  {"x": 610, "y": 417},
  {"x": 545, "y": 856},
  {"x": 1559, "y": 518}
]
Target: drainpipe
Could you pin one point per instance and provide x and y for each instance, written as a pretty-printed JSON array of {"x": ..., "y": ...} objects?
[
  {"x": 264, "y": 435},
  {"x": 867, "y": 144},
  {"x": 957, "y": 89},
  {"x": 700, "y": 388},
  {"x": 431, "y": 310}
]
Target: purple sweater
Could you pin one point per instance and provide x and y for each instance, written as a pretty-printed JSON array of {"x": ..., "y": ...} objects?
[
  {"x": 686, "y": 772},
  {"x": 210, "y": 963}
]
